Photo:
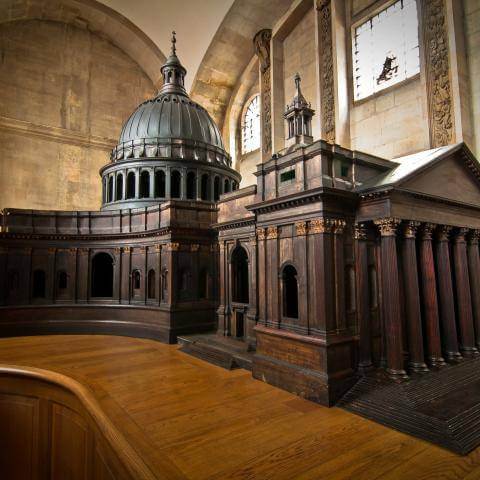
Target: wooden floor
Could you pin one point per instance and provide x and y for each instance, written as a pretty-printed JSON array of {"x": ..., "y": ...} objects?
[{"x": 189, "y": 419}]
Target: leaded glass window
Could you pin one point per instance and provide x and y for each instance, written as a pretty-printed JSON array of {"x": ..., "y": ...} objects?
[
  {"x": 251, "y": 126},
  {"x": 386, "y": 49}
]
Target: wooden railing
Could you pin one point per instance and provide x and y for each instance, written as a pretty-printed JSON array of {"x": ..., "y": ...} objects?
[{"x": 52, "y": 427}]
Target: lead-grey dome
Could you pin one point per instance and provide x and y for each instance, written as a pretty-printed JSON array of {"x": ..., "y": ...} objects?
[{"x": 171, "y": 116}]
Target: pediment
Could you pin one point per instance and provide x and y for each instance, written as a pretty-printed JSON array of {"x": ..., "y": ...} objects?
[{"x": 450, "y": 178}]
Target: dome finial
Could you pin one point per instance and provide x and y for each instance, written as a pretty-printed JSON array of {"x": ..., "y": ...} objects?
[{"x": 174, "y": 41}]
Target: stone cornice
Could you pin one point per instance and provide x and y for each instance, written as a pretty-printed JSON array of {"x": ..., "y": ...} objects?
[{"x": 56, "y": 134}]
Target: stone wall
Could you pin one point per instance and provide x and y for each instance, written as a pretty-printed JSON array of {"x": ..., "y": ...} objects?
[
  {"x": 299, "y": 57},
  {"x": 391, "y": 123},
  {"x": 472, "y": 34},
  {"x": 65, "y": 94}
]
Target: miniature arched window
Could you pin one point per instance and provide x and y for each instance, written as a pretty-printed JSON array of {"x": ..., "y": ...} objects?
[
  {"x": 191, "y": 186},
  {"x": 62, "y": 280},
  {"x": 240, "y": 275},
  {"x": 110, "y": 189},
  {"x": 136, "y": 280},
  {"x": 102, "y": 275},
  {"x": 234, "y": 185},
  {"x": 151, "y": 284},
  {"x": 119, "y": 191},
  {"x": 131, "y": 185},
  {"x": 38, "y": 290},
  {"x": 203, "y": 281},
  {"x": 205, "y": 187},
  {"x": 104, "y": 190},
  {"x": 226, "y": 186},
  {"x": 160, "y": 183},
  {"x": 251, "y": 126},
  {"x": 290, "y": 292},
  {"x": 216, "y": 189},
  {"x": 175, "y": 184},
  {"x": 144, "y": 184},
  {"x": 164, "y": 295}
]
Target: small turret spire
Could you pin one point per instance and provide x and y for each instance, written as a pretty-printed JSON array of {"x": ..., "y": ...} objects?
[
  {"x": 174, "y": 41},
  {"x": 297, "y": 84}
]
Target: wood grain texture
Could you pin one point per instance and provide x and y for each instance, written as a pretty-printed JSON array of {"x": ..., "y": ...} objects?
[{"x": 189, "y": 419}]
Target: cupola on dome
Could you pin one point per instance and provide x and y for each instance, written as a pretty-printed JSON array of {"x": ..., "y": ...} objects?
[{"x": 171, "y": 141}]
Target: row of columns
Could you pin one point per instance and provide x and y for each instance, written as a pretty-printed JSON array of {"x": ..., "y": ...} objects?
[
  {"x": 451, "y": 331},
  {"x": 225, "y": 184}
]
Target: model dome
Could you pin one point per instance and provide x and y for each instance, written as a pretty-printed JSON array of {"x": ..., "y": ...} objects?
[{"x": 168, "y": 148}]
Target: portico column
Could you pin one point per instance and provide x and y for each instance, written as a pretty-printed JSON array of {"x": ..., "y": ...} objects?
[
  {"x": 464, "y": 298},
  {"x": 362, "y": 298},
  {"x": 391, "y": 298},
  {"x": 137, "y": 183},
  {"x": 152, "y": 183},
  {"x": 124, "y": 184},
  {"x": 429, "y": 297},
  {"x": 474, "y": 272},
  {"x": 412, "y": 299},
  {"x": 445, "y": 295}
]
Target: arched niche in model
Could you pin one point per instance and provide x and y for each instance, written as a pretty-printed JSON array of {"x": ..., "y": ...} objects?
[
  {"x": 175, "y": 184},
  {"x": 191, "y": 186},
  {"x": 119, "y": 189},
  {"x": 205, "y": 186},
  {"x": 38, "y": 287},
  {"x": 130, "y": 185},
  {"x": 110, "y": 189},
  {"x": 289, "y": 291},
  {"x": 144, "y": 184},
  {"x": 102, "y": 275},
  {"x": 240, "y": 284},
  {"x": 151, "y": 284},
  {"x": 216, "y": 189},
  {"x": 159, "y": 184}
]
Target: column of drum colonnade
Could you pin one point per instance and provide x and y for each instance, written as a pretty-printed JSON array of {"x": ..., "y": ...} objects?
[
  {"x": 441, "y": 294},
  {"x": 137, "y": 171}
]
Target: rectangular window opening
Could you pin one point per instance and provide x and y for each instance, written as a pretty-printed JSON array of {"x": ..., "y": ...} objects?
[{"x": 286, "y": 176}]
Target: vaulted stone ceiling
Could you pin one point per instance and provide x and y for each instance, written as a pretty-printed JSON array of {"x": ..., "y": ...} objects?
[
  {"x": 195, "y": 21},
  {"x": 214, "y": 39}
]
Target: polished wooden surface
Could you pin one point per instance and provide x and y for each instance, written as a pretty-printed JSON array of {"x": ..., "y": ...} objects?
[{"x": 190, "y": 419}]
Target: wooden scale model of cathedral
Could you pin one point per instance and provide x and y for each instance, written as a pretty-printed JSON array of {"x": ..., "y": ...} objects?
[{"x": 339, "y": 271}]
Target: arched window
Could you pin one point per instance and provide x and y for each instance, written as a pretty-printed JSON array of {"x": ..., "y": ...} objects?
[
  {"x": 62, "y": 280},
  {"x": 290, "y": 292},
  {"x": 191, "y": 186},
  {"x": 151, "y": 284},
  {"x": 251, "y": 126},
  {"x": 110, "y": 189},
  {"x": 216, "y": 189},
  {"x": 205, "y": 187},
  {"x": 102, "y": 275},
  {"x": 119, "y": 192},
  {"x": 38, "y": 290},
  {"x": 175, "y": 184},
  {"x": 203, "y": 280},
  {"x": 105, "y": 193},
  {"x": 226, "y": 186},
  {"x": 240, "y": 275},
  {"x": 234, "y": 185},
  {"x": 136, "y": 280},
  {"x": 131, "y": 185},
  {"x": 159, "y": 184},
  {"x": 164, "y": 286},
  {"x": 144, "y": 184}
]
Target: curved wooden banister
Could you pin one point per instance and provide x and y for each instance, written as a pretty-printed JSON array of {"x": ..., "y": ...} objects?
[{"x": 130, "y": 459}]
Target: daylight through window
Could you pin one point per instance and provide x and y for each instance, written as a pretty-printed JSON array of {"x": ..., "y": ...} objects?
[
  {"x": 251, "y": 126},
  {"x": 385, "y": 49}
]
